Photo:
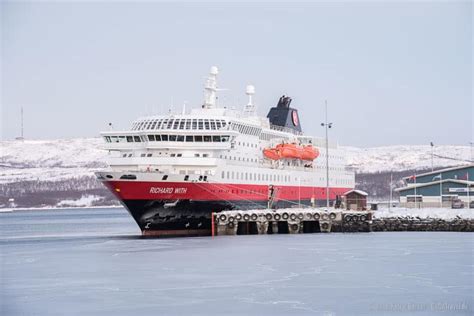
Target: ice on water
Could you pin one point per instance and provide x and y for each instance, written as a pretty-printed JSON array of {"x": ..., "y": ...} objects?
[{"x": 93, "y": 262}]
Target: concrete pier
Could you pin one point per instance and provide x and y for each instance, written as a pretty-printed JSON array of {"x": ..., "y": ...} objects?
[{"x": 291, "y": 221}]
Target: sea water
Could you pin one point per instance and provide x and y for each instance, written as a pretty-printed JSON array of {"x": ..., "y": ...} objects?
[{"x": 94, "y": 262}]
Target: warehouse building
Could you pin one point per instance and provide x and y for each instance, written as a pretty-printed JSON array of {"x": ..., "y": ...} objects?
[{"x": 451, "y": 187}]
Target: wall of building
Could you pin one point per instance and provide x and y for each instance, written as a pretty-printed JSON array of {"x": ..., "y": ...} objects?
[{"x": 434, "y": 189}]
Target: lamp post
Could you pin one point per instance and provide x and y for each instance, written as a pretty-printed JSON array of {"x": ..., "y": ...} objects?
[
  {"x": 472, "y": 157},
  {"x": 327, "y": 126}
]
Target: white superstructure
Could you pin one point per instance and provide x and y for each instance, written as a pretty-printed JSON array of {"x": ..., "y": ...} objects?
[{"x": 222, "y": 144}]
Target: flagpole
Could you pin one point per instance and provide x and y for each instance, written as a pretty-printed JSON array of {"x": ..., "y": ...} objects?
[
  {"x": 415, "y": 190},
  {"x": 468, "y": 196},
  {"x": 441, "y": 190}
]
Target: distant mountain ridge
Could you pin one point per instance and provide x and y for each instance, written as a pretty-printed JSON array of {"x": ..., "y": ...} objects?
[{"x": 49, "y": 172}]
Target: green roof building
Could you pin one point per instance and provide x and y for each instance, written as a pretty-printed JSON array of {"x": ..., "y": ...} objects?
[{"x": 450, "y": 187}]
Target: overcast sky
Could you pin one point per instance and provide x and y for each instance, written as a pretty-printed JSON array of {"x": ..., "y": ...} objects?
[{"x": 392, "y": 73}]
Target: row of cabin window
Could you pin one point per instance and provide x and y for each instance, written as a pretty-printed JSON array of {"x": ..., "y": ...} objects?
[
  {"x": 253, "y": 176},
  {"x": 238, "y": 158},
  {"x": 171, "y": 155},
  {"x": 207, "y": 124},
  {"x": 189, "y": 138},
  {"x": 123, "y": 139},
  {"x": 166, "y": 138},
  {"x": 247, "y": 144}
]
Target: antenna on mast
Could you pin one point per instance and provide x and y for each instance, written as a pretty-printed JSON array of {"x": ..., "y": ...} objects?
[
  {"x": 184, "y": 108},
  {"x": 250, "y": 107},
  {"x": 210, "y": 89},
  {"x": 21, "y": 137}
]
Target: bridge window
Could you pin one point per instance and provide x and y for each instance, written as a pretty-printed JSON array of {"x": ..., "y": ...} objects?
[
  {"x": 198, "y": 138},
  {"x": 172, "y": 138},
  {"x": 180, "y": 138},
  {"x": 164, "y": 138},
  {"x": 175, "y": 124},
  {"x": 207, "y": 139},
  {"x": 189, "y": 138},
  {"x": 151, "y": 138},
  {"x": 137, "y": 139}
]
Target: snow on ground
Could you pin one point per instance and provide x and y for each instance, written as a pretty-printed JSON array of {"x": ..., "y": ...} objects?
[
  {"x": 404, "y": 157},
  {"x": 441, "y": 213},
  {"x": 84, "y": 201},
  {"x": 50, "y": 160}
]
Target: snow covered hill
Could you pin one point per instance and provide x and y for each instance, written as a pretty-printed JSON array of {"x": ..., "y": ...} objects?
[
  {"x": 404, "y": 157},
  {"x": 50, "y": 160},
  {"x": 54, "y": 160}
]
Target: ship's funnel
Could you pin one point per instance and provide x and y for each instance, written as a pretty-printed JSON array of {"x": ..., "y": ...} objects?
[{"x": 285, "y": 116}]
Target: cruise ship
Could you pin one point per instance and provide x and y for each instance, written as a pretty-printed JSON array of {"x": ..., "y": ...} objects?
[{"x": 172, "y": 171}]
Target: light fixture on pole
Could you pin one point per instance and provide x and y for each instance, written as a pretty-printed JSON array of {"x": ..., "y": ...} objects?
[{"x": 327, "y": 126}]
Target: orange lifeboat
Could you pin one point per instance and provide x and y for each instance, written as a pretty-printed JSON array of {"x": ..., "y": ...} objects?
[
  {"x": 271, "y": 153},
  {"x": 310, "y": 153},
  {"x": 290, "y": 151}
]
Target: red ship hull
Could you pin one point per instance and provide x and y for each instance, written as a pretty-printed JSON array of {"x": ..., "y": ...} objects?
[{"x": 184, "y": 208}]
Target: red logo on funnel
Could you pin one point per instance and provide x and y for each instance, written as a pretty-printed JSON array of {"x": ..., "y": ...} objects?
[{"x": 294, "y": 116}]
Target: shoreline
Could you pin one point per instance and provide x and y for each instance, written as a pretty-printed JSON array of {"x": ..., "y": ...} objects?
[{"x": 50, "y": 208}]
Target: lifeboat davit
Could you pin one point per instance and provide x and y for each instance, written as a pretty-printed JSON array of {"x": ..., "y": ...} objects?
[
  {"x": 310, "y": 153},
  {"x": 271, "y": 153}
]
